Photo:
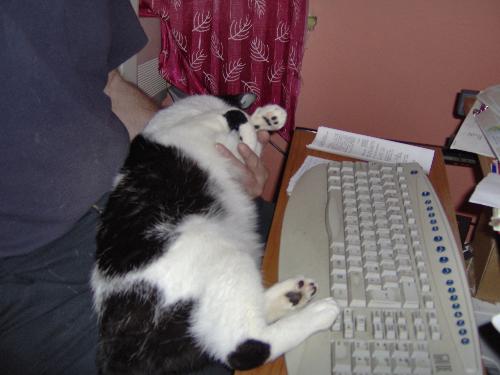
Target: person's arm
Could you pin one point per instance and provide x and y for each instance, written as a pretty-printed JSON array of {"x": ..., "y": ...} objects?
[
  {"x": 135, "y": 109},
  {"x": 130, "y": 104}
]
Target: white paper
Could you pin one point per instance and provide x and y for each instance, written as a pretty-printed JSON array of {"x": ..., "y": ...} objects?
[
  {"x": 487, "y": 191},
  {"x": 470, "y": 138},
  {"x": 311, "y": 161},
  {"x": 491, "y": 97},
  {"x": 370, "y": 148},
  {"x": 489, "y": 122},
  {"x": 484, "y": 312}
]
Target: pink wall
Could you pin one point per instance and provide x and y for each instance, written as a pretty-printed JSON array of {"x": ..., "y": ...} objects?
[{"x": 392, "y": 69}]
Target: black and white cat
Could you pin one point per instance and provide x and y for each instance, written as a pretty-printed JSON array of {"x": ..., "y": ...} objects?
[{"x": 177, "y": 281}]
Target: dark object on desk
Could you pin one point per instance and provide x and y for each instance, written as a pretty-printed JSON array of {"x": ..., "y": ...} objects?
[
  {"x": 491, "y": 337},
  {"x": 458, "y": 157},
  {"x": 463, "y": 102},
  {"x": 459, "y": 110},
  {"x": 464, "y": 223}
]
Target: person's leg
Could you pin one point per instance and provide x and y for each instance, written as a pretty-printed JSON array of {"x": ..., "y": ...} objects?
[{"x": 47, "y": 323}]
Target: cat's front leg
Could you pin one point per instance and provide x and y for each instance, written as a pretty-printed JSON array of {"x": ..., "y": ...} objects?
[
  {"x": 275, "y": 339},
  {"x": 291, "y": 330},
  {"x": 287, "y": 296},
  {"x": 248, "y": 135}
]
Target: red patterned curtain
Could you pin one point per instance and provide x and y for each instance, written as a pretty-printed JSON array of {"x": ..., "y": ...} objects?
[{"x": 233, "y": 46}]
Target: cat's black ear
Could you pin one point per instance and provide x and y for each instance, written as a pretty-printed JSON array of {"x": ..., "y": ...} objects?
[{"x": 241, "y": 101}]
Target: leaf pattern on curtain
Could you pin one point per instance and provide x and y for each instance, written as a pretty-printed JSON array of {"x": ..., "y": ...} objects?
[{"x": 233, "y": 46}]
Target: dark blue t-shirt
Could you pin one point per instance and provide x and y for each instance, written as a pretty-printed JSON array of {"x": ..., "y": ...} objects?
[{"x": 60, "y": 144}]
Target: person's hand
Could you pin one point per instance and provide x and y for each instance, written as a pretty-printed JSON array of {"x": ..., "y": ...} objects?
[{"x": 254, "y": 173}]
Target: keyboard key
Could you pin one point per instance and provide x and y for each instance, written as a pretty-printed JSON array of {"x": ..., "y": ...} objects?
[
  {"x": 410, "y": 294},
  {"x": 420, "y": 350},
  {"x": 428, "y": 301},
  {"x": 348, "y": 329},
  {"x": 432, "y": 318},
  {"x": 342, "y": 356},
  {"x": 361, "y": 323},
  {"x": 402, "y": 366},
  {"x": 337, "y": 325},
  {"x": 388, "y": 270},
  {"x": 339, "y": 264},
  {"x": 421, "y": 366},
  {"x": 403, "y": 331},
  {"x": 373, "y": 283},
  {"x": 378, "y": 331},
  {"x": 357, "y": 296},
  {"x": 420, "y": 333},
  {"x": 340, "y": 295},
  {"x": 390, "y": 331},
  {"x": 390, "y": 281},
  {"x": 348, "y": 316},
  {"x": 354, "y": 264},
  {"x": 381, "y": 364},
  {"x": 361, "y": 364},
  {"x": 361, "y": 348},
  {"x": 377, "y": 316},
  {"x": 385, "y": 298},
  {"x": 401, "y": 350},
  {"x": 381, "y": 349},
  {"x": 435, "y": 334},
  {"x": 353, "y": 249},
  {"x": 339, "y": 281}
]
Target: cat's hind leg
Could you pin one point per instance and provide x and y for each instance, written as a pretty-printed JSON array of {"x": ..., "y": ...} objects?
[
  {"x": 271, "y": 117},
  {"x": 287, "y": 296}
]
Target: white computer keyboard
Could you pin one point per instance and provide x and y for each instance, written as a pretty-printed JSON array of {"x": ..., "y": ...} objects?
[{"x": 376, "y": 238}]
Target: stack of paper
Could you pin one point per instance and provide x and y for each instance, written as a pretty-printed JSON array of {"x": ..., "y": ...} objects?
[
  {"x": 370, "y": 148},
  {"x": 480, "y": 131},
  {"x": 487, "y": 192},
  {"x": 361, "y": 147},
  {"x": 488, "y": 117}
]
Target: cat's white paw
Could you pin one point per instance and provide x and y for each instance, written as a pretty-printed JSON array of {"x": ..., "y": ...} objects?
[
  {"x": 270, "y": 117},
  {"x": 322, "y": 313},
  {"x": 289, "y": 295},
  {"x": 300, "y": 291}
]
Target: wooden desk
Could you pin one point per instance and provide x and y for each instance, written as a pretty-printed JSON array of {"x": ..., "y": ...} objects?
[
  {"x": 486, "y": 260},
  {"x": 297, "y": 154}
]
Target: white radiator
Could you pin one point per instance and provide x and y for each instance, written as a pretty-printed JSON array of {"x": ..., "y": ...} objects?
[{"x": 149, "y": 79}]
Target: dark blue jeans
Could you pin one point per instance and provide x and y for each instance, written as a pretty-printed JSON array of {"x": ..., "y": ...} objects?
[{"x": 47, "y": 323}]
